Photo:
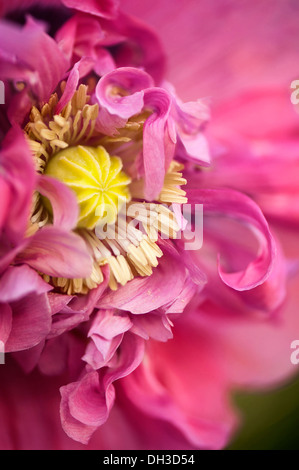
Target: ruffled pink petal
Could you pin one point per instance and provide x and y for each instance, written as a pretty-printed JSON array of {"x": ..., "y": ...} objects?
[
  {"x": 86, "y": 404},
  {"x": 69, "y": 310},
  {"x": 183, "y": 299},
  {"x": 142, "y": 295},
  {"x": 239, "y": 206},
  {"x": 103, "y": 8},
  {"x": 270, "y": 295},
  {"x": 115, "y": 107},
  {"x": 106, "y": 333},
  {"x": 152, "y": 325},
  {"x": 99, "y": 354},
  {"x": 63, "y": 201},
  {"x": 57, "y": 253},
  {"x": 20, "y": 60},
  {"x": 17, "y": 164},
  {"x": 171, "y": 389},
  {"x": 79, "y": 70},
  {"x": 190, "y": 119},
  {"x": 19, "y": 281},
  {"x": 81, "y": 39},
  {"x": 257, "y": 351},
  {"x": 109, "y": 324},
  {"x": 33, "y": 310},
  {"x": 138, "y": 45},
  {"x": 154, "y": 158}
]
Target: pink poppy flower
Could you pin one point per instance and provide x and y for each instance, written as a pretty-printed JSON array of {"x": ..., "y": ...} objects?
[{"x": 118, "y": 328}]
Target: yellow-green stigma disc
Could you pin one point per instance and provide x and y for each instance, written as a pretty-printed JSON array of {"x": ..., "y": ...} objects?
[{"x": 97, "y": 180}]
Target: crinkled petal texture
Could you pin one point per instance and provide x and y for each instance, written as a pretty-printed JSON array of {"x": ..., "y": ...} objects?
[
  {"x": 151, "y": 365},
  {"x": 22, "y": 62},
  {"x": 18, "y": 181},
  {"x": 239, "y": 206},
  {"x": 185, "y": 404}
]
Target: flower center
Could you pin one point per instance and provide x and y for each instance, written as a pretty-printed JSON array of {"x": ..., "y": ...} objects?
[{"x": 97, "y": 179}]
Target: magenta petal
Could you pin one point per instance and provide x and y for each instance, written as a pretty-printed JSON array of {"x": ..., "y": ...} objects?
[
  {"x": 19, "y": 281},
  {"x": 5, "y": 322},
  {"x": 17, "y": 164},
  {"x": 154, "y": 133},
  {"x": 140, "y": 46},
  {"x": 116, "y": 109},
  {"x": 237, "y": 205},
  {"x": 143, "y": 295},
  {"x": 132, "y": 81},
  {"x": 130, "y": 356},
  {"x": 33, "y": 311},
  {"x": 80, "y": 69},
  {"x": 101, "y": 351},
  {"x": 109, "y": 324},
  {"x": 90, "y": 403},
  {"x": 153, "y": 325},
  {"x": 269, "y": 295},
  {"x": 73, "y": 428},
  {"x": 103, "y": 8},
  {"x": 190, "y": 120},
  {"x": 57, "y": 253},
  {"x": 86, "y": 404},
  {"x": 21, "y": 60},
  {"x": 63, "y": 201},
  {"x": 5, "y": 201},
  {"x": 106, "y": 332}
]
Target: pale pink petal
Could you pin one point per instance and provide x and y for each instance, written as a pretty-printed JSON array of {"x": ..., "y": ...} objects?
[
  {"x": 170, "y": 389},
  {"x": 109, "y": 324},
  {"x": 152, "y": 325},
  {"x": 154, "y": 159},
  {"x": 17, "y": 164},
  {"x": 21, "y": 61},
  {"x": 238, "y": 206},
  {"x": 72, "y": 427},
  {"x": 19, "y": 281},
  {"x": 143, "y": 295},
  {"x": 57, "y": 253},
  {"x": 115, "y": 106},
  {"x": 86, "y": 404},
  {"x": 32, "y": 310},
  {"x": 63, "y": 201},
  {"x": 80, "y": 69}
]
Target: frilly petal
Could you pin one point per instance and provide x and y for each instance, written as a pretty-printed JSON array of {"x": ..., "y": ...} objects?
[
  {"x": 86, "y": 404},
  {"x": 20, "y": 60},
  {"x": 33, "y": 310},
  {"x": 142, "y": 295},
  {"x": 57, "y": 253},
  {"x": 20, "y": 281},
  {"x": 238, "y": 206},
  {"x": 154, "y": 157},
  {"x": 63, "y": 201},
  {"x": 114, "y": 106}
]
